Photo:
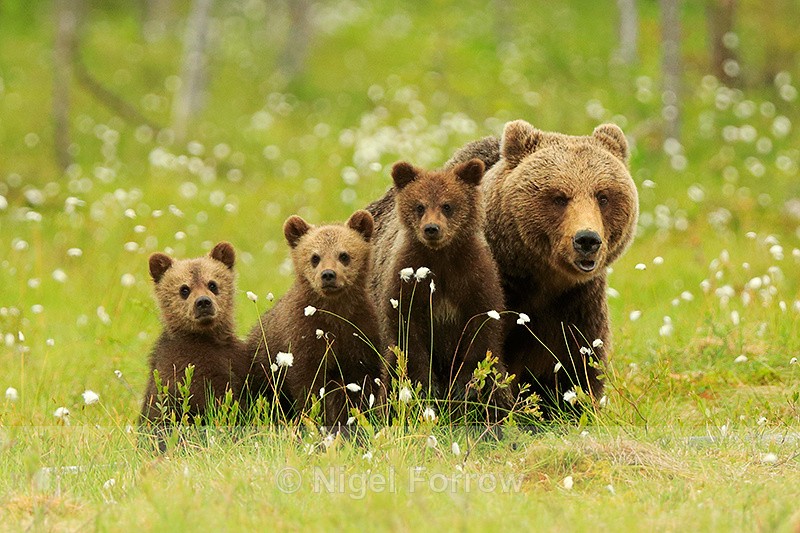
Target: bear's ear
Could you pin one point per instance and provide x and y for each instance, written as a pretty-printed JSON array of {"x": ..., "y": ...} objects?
[
  {"x": 362, "y": 222},
  {"x": 403, "y": 173},
  {"x": 294, "y": 228},
  {"x": 470, "y": 172},
  {"x": 612, "y": 138},
  {"x": 223, "y": 252},
  {"x": 519, "y": 140},
  {"x": 159, "y": 264}
]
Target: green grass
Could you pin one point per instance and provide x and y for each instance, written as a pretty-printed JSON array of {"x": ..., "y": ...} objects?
[{"x": 385, "y": 83}]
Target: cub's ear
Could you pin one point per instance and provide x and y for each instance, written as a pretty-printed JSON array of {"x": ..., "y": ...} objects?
[
  {"x": 613, "y": 140},
  {"x": 362, "y": 222},
  {"x": 223, "y": 252},
  {"x": 294, "y": 228},
  {"x": 519, "y": 140},
  {"x": 159, "y": 264},
  {"x": 403, "y": 173},
  {"x": 470, "y": 172}
]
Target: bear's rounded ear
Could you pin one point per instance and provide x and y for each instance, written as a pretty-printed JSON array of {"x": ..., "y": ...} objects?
[
  {"x": 223, "y": 252},
  {"x": 613, "y": 140},
  {"x": 470, "y": 172},
  {"x": 294, "y": 228},
  {"x": 519, "y": 140},
  {"x": 403, "y": 173},
  {"x": 159, "y": 264},
  {"x": 362, "y": 222}
]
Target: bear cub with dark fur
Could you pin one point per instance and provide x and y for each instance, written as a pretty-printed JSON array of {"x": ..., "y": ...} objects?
[
  {"x": 196, "y": 297},
  {"x": 326, "y": 320},
  {"x": 436, "y": 223}
]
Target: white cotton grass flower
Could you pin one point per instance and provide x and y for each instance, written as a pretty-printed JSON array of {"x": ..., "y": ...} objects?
[
  {"x": 404, "y": 395},
  {"x": 585, "y": 351},
  {"x": 371, "y": 400},
  {"x": 59, "y": 275},
  {"x": 273, "y": 367},
  {"x": 603, "y": 401},
  {"x": 406, "y": 273},
  {"x": 666, "y": 328},
  {"x": 635, "y": 315},
  {"x": 422, "y": 273},
  {"x": 118, "y": 373},
  {"x": 493, "y": 314},
  {"x": 761, "y": 421},
  {"x": 568, "y": 482},
  {"x": 456, "y": 449},
  {"x": 11, "y": 394},
  {"x": 353, "y": 387},
  {"x": 321, "y": 392},
  {"x": 309, "y": 310},
  {"x": 640, "y": 266},
  {"x": 90, "y": 397},
  {"x": 432, "y": 442},
  {"x": 735, "y": 318},
  {"x": 523, "y": 319},
  {"x": 253, "y": 297},
  {"x": 319, "y": 333},
  {"x": 558, "y": 367},
  {"x": 433, "y": 287},
  {"x": 571, "y": 397},
  {"x": 350, "y": 421},
  {"x": 428, "y": 414},
  {"x": 793, "y": 361},
  {"x": 367, "y": 456},
  {"x": 128, "y": 280},
  {"x": 61, "y": 413},
  {"x": 270, "y": 296},
  {"x": 597, "y": 343},
  {"x": 741, "y": 359},
  {"x": 394, "y": 303},
  {"x": 658, "y": 260},
  {"x": 284, "y": 359},
  {"x": 769, "y": 458},
  {"x": 109, "y": 484}
]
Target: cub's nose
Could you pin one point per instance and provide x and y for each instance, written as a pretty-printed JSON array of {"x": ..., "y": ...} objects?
[
  {"x": 203, "y": 303},
  {"x": 432, "y": 231},
  {"x": 587, "y": 241},
  {"x": 328, "y": 276}
]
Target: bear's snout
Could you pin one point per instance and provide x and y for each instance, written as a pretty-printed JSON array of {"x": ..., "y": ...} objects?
[
  {"x": 432, "y": 232},
  {"x": 203, "y": 307},
  {"x": 587, "y": 242}
]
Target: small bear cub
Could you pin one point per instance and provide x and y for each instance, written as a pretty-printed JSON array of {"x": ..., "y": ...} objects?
[
  {"x": 435, "y": 232},
  {"x": 196, "y": 297},
  {"x": 327, "y": 321}
]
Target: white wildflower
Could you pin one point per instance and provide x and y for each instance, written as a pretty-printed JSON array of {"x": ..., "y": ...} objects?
[
  {"x": 109, "y": 484},
  {"x": 558, "y": 367},
  {"x": 603, "y": 401},
  {"x": 270, "y": 296},
  {"x": 321, "y": 392},
  {"x": 494, "y": 314},
  {"x": 635, "y": 315},
  {"x": 404, "y": 395},
  {"x": 735, "y": 319},
  {"x": 429, "y": 415},
  {"x": 319, "y": 333},
  {"x": 367, "y": 456},
  {"x": 640, "y": 266},
  {"x": 761, "y": 421},
  {"x": 433, "y": 287},
  {"x": 597, "y": 343},
  {"x": 371, "y": 400},
  {"x": 406, "y": 273},
  {"x": 568, "y": 482},
  {"x": 59, "y": 275},
  {"x": 273, "y": 367},
  {"x": 11, "y": 394},
  {"x": 432, "y": 442},
  {"x": 793, "y": 361},
  {"x": 585, "y": 351},
  {"x": 658, "y": 260},
  {"x": 61, "y": 413},
  {"x": 571, "y": 397},
  {"x": 523, "y": 319},
  {"x": 128, "y": 280},
  {"x": 456, "y": 448},
  {"x": 284, "y": 359},
  {"x": 253, "y": 297},
  {"x": 422, "y": 273},
  {"x": 353, "y": 387},
  {"x": 770, "y": 458},
  {"x": 350, "y": 421},
  {"x": 394, "y": 303},
  {"x": 118, "y": 373},
  {"x": 90, "y": 397},
  {"x": 741, "y": 359},
  {"x": 309, "y": 310}
]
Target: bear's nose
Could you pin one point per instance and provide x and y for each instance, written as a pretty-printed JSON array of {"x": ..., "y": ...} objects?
[
  {"x": 328, "y": 276},
  {"x": 202, "y": 303},
  {"x": 431, "y": 231},
  {"x": 587, "y": 241}
]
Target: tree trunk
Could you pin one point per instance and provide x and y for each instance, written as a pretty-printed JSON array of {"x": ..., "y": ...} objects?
[
  {"x": 671, "y": 66},
  {"x": 627, "y": 53},
  {"x": 67, "y": 13},
  {"x": 720, "y": 15},
  {"x": 190, "y": 99}
]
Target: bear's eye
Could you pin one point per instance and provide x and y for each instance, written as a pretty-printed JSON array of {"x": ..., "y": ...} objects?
[
  {"x": 447, "y": 209},
  {"x": 602, "y": 199},
  {"x": 420, "y": 209},
  {"x": 185, "y": 291},
  {"x": 212, "y": 286},
  {"x": 315, "y": 260},
  {"x": 561, "y": 200},
  {"x": 344, "y": 258}
]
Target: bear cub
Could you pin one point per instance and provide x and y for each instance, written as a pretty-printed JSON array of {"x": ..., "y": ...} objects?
[
  {"x": 196, "y": 297},
  {"x": 435, "y": 230},
  {"x": 327, "y": 321}
]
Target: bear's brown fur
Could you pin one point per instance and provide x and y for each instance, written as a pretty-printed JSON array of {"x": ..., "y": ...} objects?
[
  {"x": 433, "y": 220},
  {"x": 559, "y": 210},
  {"x": 196, "y": 297},
  {"x": 330, "y": 340}
]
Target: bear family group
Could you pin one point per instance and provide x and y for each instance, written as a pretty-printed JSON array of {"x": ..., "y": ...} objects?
[{"x": 497, "y": 261}]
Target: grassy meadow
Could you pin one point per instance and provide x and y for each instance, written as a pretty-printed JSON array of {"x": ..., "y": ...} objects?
[{"x": 701, "y": 429}]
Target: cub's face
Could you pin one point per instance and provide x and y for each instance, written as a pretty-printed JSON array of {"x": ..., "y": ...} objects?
[
  {"x": 573, "y": 201},
  {"x": 331, "y": 259},
  {"x": 438, "y": 207},
  {"x": 196, "y": 295}
]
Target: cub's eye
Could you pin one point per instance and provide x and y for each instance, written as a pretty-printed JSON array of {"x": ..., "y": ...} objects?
[
  {"x": 561, "y": 200},
  {"x": 420, "y": 209},
  {"x": 185, "y": 291},
  {"x": 315, "y": 260},
  {"x": 602, "y": 199},
  {"x": 344, "y": 258},
  {"x": 212, "y": 286},
  {"x": 447, "y": 209}
]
